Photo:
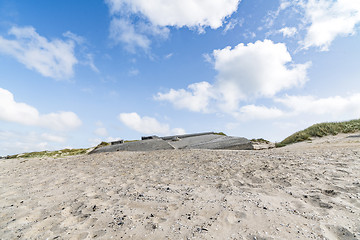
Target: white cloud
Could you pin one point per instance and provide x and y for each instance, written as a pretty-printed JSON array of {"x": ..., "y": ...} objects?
[
  {"x": 94, "y": 141},
  {"x": 177, "y": 131},
  {"x": 113, "y": 139},
  {"x": 60, "y": 121},
  {"x": 122, "y": 30},
  {"x": 101, "y": 131},
  {"x": 260, "y": 69},
  {"x": 335, "y": 107},
  {"x": 311, "y": 108},
  {"x": 208, "y": 58},
  {"x": 147, "y": 125},
  {"x": 89, "y": 60},
  {"x": 196, "y": 99},
  {"x": 54, "y": 58},
  {"x": 76, "y": 38},
  {"x": 232, "y": 24},
  {"x": 153, "y": 18},
  {"x": 168, "y": 56},
  {"x": 178, "y": 13},
  {"x": 12, "y": 142},
  {"x": 22, "y": 113},
  {"x": 253, "y": 112},
  {"x": 53, "y": 138},
  {"x": 273, "y": 15},
  {"x": 249, "y": 35},
  {"x": 288, "y": 32},
  {"x": 329, "y": 19}
]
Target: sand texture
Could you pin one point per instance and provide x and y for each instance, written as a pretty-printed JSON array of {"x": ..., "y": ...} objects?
[{"x": 303, "y": 191}]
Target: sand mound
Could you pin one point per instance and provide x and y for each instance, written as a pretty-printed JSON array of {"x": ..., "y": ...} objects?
[{"x": 303, "y": 191}]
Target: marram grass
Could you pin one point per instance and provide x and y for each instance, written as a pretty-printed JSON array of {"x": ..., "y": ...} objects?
[
  {"x": 321, "y": 130},
  {"x": 59, "y": 153}
]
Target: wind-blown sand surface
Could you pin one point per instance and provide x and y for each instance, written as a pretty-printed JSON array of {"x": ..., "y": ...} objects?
[{"x": 303, "y": 191}]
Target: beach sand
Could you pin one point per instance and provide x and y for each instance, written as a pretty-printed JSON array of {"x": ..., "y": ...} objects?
[{"x": 309, "y": 190}]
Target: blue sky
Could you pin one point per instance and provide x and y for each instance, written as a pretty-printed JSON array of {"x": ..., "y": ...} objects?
[{"x": 75, "y": 73}]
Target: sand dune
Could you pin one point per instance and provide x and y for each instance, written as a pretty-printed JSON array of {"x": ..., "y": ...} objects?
[{"x": 303, "y": 191}]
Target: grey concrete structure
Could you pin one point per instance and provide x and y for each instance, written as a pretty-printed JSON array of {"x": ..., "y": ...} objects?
[
  {"x": 117, "y": 142},
  {"x": 145, "y": 145},
  {"x": 193, "y": 140},
  {"x": 223, "y": 142},
  {"x": 187, "y": 135},
  {"x": 207, "y": 140},
  {"x": 150, "y": 137}
]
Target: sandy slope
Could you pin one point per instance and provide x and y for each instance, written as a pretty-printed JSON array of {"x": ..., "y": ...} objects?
[{"x": 304, "y": 191}]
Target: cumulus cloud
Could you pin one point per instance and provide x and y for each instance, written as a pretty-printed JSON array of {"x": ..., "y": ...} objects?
[
  {"x": 260, "y": 69},
  {"x": 195, "y": 99},
  {"x": 153, "y": 19},
  {"x": 60, "y": 121},
  {"x": 178, "y": 13},
  {"x": 22, "y": 113},
  {"x": 329, "y": 19},
  {"x": 147, "y": 125},
  {"x": 51, "y": 58}
]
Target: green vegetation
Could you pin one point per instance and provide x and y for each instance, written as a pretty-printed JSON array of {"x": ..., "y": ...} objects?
[
  {"x": 102, "y": 144},
  {"x": 260, "y": 140},
  {"x": 220, "y": 133},
  {"x": 321, "y": 130},
  {"x": 59, "y": 153}
]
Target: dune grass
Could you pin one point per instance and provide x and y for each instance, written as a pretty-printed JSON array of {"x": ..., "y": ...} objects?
[
  {"x": 260, "y": 140},
  {"x": 220, "y": 133},
  {"x": 321, "y": 130},
  {"x": 102, "y": 144},
  {"x": 59, "y": 153}
]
